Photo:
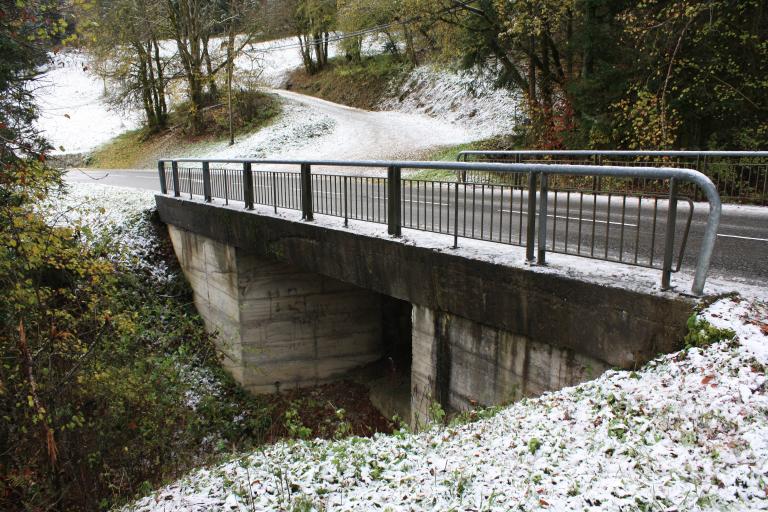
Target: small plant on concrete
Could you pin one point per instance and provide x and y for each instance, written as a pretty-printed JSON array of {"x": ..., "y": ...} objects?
[
  {"x": 702, "y": 334},
  {"x": 436, "y": 413}
]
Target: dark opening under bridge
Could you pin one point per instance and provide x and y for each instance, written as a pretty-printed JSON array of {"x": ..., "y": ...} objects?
[{"x": 297, "y": 303}]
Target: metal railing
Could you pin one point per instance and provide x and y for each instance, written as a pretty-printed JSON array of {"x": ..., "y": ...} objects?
[
  {"x": 635, "y": 229},
  {"x": 740, "y": 176}
]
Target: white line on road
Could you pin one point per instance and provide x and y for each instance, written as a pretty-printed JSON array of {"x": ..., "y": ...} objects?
[
  {"x": 599, "y": 221},
  {"x": 744, "y": 237}
]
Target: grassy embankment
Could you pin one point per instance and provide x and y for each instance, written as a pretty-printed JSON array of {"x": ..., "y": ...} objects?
[
  {"x": 357, "y": 84},
  {"x": 141, "y": 148}
]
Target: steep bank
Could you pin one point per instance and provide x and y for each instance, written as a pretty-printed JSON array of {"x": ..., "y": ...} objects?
[{"x": 464, "y": 98}]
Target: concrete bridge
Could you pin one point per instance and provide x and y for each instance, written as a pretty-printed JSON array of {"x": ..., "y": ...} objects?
[{"x": 297, "y": 304}]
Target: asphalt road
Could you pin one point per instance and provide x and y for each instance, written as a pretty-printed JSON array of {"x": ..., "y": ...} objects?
[{"x": 633, "y": 230}]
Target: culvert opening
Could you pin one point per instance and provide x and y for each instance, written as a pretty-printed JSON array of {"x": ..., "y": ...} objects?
[{"x": 389, "y": 378}]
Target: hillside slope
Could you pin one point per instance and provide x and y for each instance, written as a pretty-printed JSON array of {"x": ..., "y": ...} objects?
[{"x": 687, "y": 432}]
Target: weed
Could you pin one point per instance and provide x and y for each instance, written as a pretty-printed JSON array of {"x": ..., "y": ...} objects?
[
  {"x": 436, "y": 413},
  {"x": 294, "y": 425},
  {"x": 702, "y": 334}
]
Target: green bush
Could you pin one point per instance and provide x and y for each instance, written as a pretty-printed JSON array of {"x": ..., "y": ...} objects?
[
  {"x": 109, "y": 384},
  {"x": 702, "y": 334}
]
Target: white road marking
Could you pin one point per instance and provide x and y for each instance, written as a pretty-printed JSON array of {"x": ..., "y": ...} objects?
[
  {"x": 576, "y": 219},
  {"x": 743, "y": 237}
]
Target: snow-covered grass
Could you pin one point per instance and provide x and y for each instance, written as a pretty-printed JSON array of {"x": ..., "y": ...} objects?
[
  {"x": 466, "y": 98},
  {"x": 689, "y": 431},
  {"x": 116, "y": 212},
  {"x": 296, "y": 128},
  {"x": 74, "y": 114}
]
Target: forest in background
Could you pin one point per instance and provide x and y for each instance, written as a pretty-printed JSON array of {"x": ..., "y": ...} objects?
[{"x": 600, "y": 74}]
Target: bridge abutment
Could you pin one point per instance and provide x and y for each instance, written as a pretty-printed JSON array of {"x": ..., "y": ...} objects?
[
  {"x": 279, "y": 326},
  {"x": 460, "y": 364}
]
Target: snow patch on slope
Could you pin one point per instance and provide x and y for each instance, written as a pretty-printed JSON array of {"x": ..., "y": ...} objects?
[
  {"x": 74, "y": 113},
  {"x": 297, "y": 127},
  {"x": 467, "y": 98}
]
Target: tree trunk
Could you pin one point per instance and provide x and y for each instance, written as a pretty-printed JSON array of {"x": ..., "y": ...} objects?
[
  {"x": 306, "y": 53},
  {"x": 162, "y": 108},
  {"x": 410, "y": 50},
  {"x": 210, "y": 78},
  {"x": 144, "y": 84},
  {"x": 230, "y": 72}
]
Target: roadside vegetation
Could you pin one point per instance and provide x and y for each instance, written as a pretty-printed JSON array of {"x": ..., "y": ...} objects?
[
  {"x": 660, "y": 75},
  {"x": 362, "y": 84},
  {"x": 603, "y": 75}
]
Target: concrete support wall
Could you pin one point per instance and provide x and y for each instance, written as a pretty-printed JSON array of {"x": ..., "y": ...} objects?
[
  {"x": 460, "y": 364},
  {"x": 279, "y": 326}
]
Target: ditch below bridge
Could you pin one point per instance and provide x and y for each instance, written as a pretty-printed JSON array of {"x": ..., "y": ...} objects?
[{"x": 298, "y": 304}]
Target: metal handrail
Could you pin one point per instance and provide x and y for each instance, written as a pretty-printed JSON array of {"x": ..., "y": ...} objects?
[
  {"x": 535, "y": 172},
  {"x": 614, "y": 152},
  {"x": 740, "y": 176}
]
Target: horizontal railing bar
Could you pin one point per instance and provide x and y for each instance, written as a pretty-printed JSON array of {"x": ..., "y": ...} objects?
[
  {"x": 615, "y": 152},
  {"x": 578, "y": 170}
]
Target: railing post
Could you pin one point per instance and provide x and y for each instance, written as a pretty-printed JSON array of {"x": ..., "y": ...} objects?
[
  {"x": 543, "y": 202},
  {"x": 161, "y": 174},
  {"x": 669, "y": 237},
  {"x": 207, "y": 182},
  {"x": 346, "y": 211},
  {"x": 175, "y": 177},
  {"x": 247, "y": 186},
  {"x": 274, "y": 190},
  {"x": 306, "y": 192},
  {"x": 226, "y": 186},
  {"x": 456, "y": 215},
  {"x": 393, "y": 201},
  {"x": 530, "y": 235}
]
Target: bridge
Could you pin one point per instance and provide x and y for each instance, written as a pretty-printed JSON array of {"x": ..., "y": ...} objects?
[{"x": 287, "y": 264}]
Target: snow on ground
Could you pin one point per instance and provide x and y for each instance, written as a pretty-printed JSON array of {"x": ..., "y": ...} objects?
[
  {"x": 117, "y": 212},
  {"x": 466, "y": 98},
  {"x": 689, "y": 431},
  {"x": 276, "y": 59},
  {"x": 73, "y": 112},
  {"x": 298, "y": 127},
  {"x": 364, "y": 135},
  {"x": 431, "y": 108}
]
